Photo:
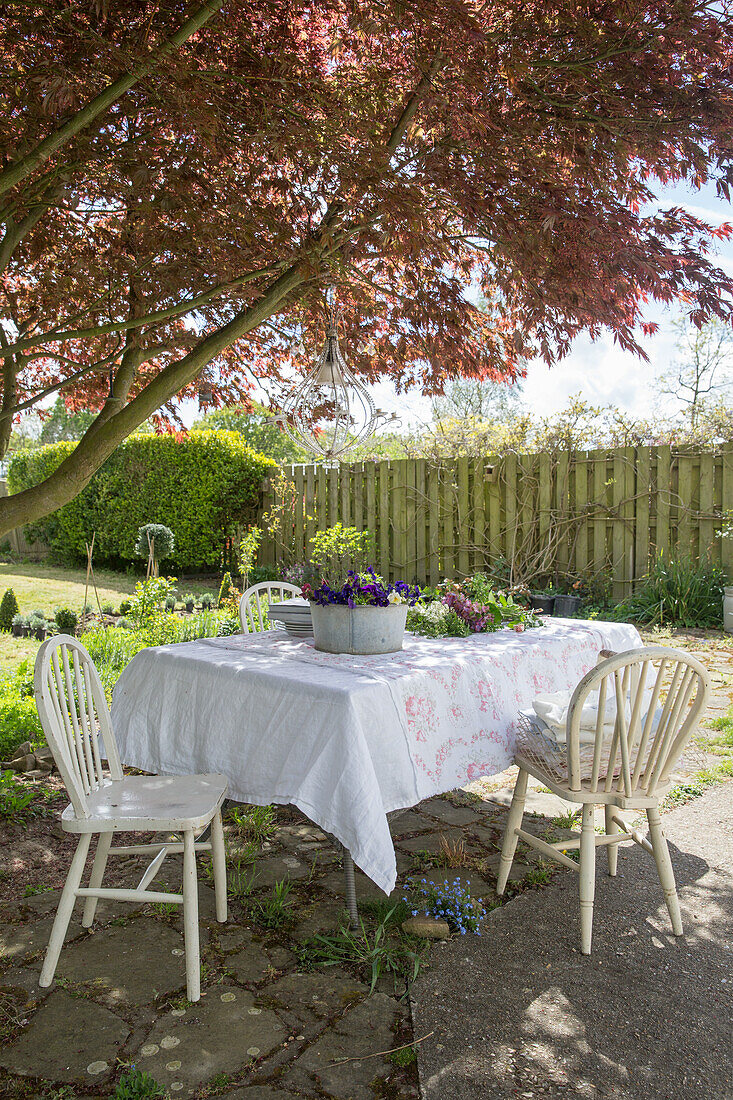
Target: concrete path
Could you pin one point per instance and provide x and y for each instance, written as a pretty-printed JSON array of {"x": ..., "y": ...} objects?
[{"x": 521, "y": 1013}]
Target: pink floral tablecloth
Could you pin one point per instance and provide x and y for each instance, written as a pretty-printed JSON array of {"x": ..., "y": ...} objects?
[{"x": 347, "y": 739}]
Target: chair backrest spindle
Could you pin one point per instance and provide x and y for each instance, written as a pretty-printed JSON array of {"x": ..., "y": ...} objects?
[
  {"x": 654, "y": 698},
  {"x": 252, "y": 608},
  {"x": 74, "y": 714}
]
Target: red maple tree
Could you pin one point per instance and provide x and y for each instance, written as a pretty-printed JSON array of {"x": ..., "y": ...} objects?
[{"x": 180, "y": 183}]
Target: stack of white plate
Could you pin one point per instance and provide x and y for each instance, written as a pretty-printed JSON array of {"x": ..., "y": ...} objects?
[{"x": 295, "y": 616}]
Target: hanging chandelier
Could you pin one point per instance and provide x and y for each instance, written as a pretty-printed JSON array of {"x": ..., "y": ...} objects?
[{"x": 330, "y": 412}]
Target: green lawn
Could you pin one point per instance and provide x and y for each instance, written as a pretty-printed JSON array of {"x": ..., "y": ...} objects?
[{"x": 37, "y": 584}]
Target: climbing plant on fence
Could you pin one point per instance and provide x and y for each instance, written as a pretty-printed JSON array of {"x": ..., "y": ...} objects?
[
  {"x": 204, "y": 486},
  {"x": 520, "y": 517}
]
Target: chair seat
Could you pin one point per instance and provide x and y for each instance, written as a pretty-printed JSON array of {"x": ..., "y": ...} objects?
[{"x": 138, "y": 803}]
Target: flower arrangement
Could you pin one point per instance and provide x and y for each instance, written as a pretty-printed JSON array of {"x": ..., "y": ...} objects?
[
  {"x": 469, "y": 607},
  {"x": 448, "y": 901},
  {"x": 365, "y": 589}
]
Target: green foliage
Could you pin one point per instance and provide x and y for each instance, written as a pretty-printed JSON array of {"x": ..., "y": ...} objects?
[
  {"x": 403, "y": 1057},
  {"x": 137, "y": 1085},
  {"x": 678, "y": 592},
  {"x": 257, "y": 822},
  {"x": 276, "y": 910},
  {"x": 251, "y": 423},
  {"x": 374, "y": 952},
  {"x": 155, "y": 539},
  {"x": 149, "y": 597},
  {"x": 208, "y": 599},
  {"x": 15, "y": 798},
  {"x": 8, "y": 608},
  {"x": 203, "y": 486},
  {"x": 248, "y": 548},
  {"x": 66, "y": 620},
  {"x": 337, "y": 549},
  {"x": 435, "y": 620},
  {"x": 228, "y": 599},
  {"x": 19, "y": 719}
]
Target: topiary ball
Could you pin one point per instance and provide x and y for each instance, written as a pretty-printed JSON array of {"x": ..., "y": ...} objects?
[{"x": 161, "y": 537}]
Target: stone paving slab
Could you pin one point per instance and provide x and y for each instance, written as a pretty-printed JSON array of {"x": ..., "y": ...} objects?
[
  {"x": 362, "y": 1033},
  {"x": 69, "y": 1039},
  {"x": 134, "y": 963},
  {"x": 221, "y": 1034}
]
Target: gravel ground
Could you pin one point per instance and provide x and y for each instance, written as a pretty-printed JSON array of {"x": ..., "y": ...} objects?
[{"x": 520, "y": 1012}]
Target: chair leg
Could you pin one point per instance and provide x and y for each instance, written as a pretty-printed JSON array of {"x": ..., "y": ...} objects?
[
  {"x": 611, "y": 849},
  {"x": 514, "y": 821},
  {"x": 218, "y": 858},
  {"x": 95, "y": 879},
  {"x": 664, "y": 867},
  {"x": 191, "y": 918},
  {"x": 587, "y": 877},
  {"x": 64, "y": 911}
]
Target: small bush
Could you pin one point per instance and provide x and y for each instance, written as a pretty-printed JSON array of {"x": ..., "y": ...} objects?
[
  {"x": 137, "y": 1085},
  {"x": 66, "y": 620},
  {"x": 678, "y": 592},
  {"x": 108, "y": 609},
  {"x": 337, "y": 549},
  {"x": 170, "y": 603},
  {"x": 125, "y": 606},
  {"x": 8, "y": 608},
  {"x": 208, "y": 600}
]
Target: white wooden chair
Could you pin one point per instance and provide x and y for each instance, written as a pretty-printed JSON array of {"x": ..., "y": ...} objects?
[
  {"x": 253, "y": 608},
  {"x": 74, "y": 715},
  {"x": 665, "y": 692}
]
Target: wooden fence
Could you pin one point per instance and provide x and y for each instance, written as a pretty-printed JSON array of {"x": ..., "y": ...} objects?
[{"x": 536, "y": 516}]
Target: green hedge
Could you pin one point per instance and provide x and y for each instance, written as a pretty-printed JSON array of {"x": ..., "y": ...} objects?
[{"x": 202, "y": 486}]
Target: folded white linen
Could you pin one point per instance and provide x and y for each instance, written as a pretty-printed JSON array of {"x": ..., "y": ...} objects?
[{"x": 553, "y": 708}]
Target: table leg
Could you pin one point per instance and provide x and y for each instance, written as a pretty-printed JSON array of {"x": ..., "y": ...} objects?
[{"x": 350, "y": 889}]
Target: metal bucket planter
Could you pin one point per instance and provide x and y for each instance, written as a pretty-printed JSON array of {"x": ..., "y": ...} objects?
[
  {"x": 567, "y": 606},
  {"x": 340, "y": 629},
  {"x": 728, "y": 610}
]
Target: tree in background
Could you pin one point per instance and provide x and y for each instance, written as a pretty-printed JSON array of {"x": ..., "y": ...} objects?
[
  {"x": 251, "y": 422},
  {"x": 176, "y": 191},
  {"x": 64, "y": 425},
  {"x": 702, "y": 378},
  {"x": 478, "y": 399}
]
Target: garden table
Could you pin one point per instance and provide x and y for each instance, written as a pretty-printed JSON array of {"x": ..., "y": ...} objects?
[{"x": 347, "y": 739}]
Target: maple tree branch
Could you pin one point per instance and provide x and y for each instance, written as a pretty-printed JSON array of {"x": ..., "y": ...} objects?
[
  {"x": 29, "y": 402},
  {"x": 101, "y": 102},
  {"x": 52, "y": 336},
  {"x": 98, "y": 443}
]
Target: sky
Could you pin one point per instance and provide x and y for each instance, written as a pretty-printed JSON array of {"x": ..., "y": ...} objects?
[{"x": 602, "y": 372}]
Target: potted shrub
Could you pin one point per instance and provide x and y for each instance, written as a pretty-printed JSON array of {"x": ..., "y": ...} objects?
[
  {"x": 208, "y": 600},
  {"x": 37, "y": 625},
  {"x": 19, "y": 625},
  {"x": 364, "y": 615},
  {"x": 66, "y": 620},
  {"x": 170, "y": 602},
  {"x": 189, "y": 601}
]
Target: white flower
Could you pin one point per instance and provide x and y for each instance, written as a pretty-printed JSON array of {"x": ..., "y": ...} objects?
[{"x": 394, "y": 597}]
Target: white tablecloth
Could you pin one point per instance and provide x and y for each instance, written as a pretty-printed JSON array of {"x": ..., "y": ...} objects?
[{"x": 346, "y": 739}]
